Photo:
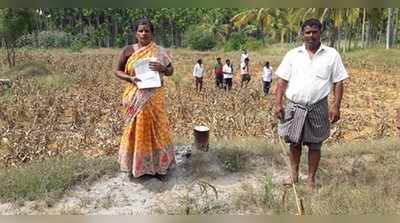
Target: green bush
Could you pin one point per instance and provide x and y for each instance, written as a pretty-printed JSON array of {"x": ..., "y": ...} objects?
[
  {"x": 252, "y": 44},
  {"x": 199, "y": 38},
  {"x": 76, "y": 46},
  {"x": 46, "y": 39},
  {"x": 235, "y": 42}
]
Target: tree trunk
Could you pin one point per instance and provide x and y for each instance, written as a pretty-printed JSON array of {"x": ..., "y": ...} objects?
[
  {"x": 172, "y": 32},
  {"x": 97, "y": 27},
  {"x": 389, "y": 29},
  {"x": 115, "y": 32},
  {"x": 262, "y": 33},
  {"x": 350, "y": 38},
  {"x": 396, "y": 21},
  {"x": 363, "y": 29},
  {"x": 369, "y": 33},
  {"x": 338, "y": 38}
]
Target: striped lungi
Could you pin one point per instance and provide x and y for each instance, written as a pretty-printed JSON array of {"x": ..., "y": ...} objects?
[{"x": 305, "y": 123}]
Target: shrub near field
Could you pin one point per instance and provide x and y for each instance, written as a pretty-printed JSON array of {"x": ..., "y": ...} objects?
[{"x": 85, "y": 114}]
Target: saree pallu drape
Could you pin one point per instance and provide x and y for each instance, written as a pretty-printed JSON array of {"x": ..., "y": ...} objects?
[{"x": 146, "y": 145}]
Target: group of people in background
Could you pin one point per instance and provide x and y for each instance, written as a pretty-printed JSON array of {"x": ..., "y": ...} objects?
[{"x": 224, "y": 74}]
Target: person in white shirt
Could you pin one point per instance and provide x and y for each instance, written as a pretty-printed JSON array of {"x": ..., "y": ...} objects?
[
  {"x": 227, "y": 71},
  {"x": 306, "y": 76},
  {"x": 267, "y": 77},
  {"x": 198, "y": 73},
  {"x": 245, "y": 73},
  {"x": 244, "y": 56}
]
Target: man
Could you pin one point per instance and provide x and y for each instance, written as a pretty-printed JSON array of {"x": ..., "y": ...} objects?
[
  {"x": 219, "y": 77},
  {"x": 245, "y": 73},
  {"x": 198, "y": 72},
  {"x": 227, "y": 70},
  {"x": 306, "y": 76}
]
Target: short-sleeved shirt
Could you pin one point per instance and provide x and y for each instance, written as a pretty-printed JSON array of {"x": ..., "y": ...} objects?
[
  {"x": 243, "y": 57},
  {"x": 267, "y": 74},
  {"x": 218, "y": 69},
  {"x": 198, "y": 70},
  {"x": 310, "y": 80},
  {"x": 244, "y": 69},
  {"x": 228, "y": 71}
]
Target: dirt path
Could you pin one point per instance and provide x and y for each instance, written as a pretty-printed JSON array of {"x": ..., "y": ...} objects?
[{"x": 238, "y": 193}]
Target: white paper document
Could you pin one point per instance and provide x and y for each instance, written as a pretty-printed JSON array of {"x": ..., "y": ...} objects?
[{"x": 148, "y": 78}]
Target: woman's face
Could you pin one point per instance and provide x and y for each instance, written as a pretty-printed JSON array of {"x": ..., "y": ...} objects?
[{"x": 144, "y": 34}]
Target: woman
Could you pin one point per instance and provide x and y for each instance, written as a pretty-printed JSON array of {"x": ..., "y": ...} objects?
[
  {"x": 146, "y": 144},
  {"x": 267, "y": 77}
]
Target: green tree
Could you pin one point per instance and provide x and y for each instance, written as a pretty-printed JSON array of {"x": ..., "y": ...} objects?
[
  {"x": 13, "y": 24},
  {"x": 263, "y": 17}
]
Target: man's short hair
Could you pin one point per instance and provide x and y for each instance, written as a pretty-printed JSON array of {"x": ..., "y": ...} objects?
[
  {"x": 218, "y": 58},
  {"x": 311, "y": 23}
]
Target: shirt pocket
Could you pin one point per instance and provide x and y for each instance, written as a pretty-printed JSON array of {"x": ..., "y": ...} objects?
[{"x": 323, "y": 72}]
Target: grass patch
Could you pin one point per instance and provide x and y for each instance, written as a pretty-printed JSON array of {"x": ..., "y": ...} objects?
[
  {"x": 49, "y": 179},
  {"x": 26, "y": 70},
  {"x": 354, "y": 178},
  {"x": 54, "y": 81},
  {"x": 234, "y": 153},
  {"x": 378, "y": 59}
]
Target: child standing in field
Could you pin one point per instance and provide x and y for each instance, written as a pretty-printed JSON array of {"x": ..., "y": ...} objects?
[{"x": 198, "y": 73}]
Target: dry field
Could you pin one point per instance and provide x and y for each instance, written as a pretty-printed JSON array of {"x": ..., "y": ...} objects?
[{"x": 64, "y": 102}]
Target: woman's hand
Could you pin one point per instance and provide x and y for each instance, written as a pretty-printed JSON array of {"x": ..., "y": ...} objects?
[
  {"x": 134, "y": 79},
  {"x": 156, "y": 66}
]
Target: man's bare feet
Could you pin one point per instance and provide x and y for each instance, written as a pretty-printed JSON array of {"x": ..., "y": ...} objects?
[{"x": 311, "y": 187}]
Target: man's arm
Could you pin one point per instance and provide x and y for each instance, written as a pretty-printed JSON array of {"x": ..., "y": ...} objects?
[
  {"x": 280, "y": 90},
  {"x": 334, "y": 113}
]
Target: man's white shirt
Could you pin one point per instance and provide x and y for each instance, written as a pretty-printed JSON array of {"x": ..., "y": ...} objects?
[
  {"x": 310, "y": 80},
  {"x": 243, "y": 56},
  {"x": 198, "y": 70},
  {"x": 227, "y": 70}
]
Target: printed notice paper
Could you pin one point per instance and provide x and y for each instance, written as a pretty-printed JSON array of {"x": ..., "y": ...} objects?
[{"x": 148, "y": 78}]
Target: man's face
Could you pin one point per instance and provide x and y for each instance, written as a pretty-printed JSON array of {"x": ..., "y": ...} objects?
[{"x": 312, "y": 36}]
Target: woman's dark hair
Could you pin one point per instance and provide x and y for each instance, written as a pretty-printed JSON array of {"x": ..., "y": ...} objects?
[
  {"x": 312, "y": 23},
  {"x": 144, "y": 22},
  {"x": 199, "y": 61},
  {"x": 267, "y": 64}
]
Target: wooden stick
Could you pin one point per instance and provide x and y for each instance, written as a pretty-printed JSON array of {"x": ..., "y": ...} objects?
[
  {"x": 299, "y": 202},
  {"x": 398, "y": 120}
]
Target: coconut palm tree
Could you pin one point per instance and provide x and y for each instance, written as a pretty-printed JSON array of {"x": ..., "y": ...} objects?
[{"x": 262, "y": 16}]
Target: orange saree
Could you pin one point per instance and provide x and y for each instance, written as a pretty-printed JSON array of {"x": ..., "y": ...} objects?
[{"x": 146, "y": 145}]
